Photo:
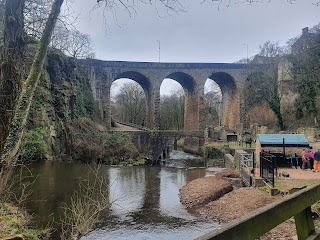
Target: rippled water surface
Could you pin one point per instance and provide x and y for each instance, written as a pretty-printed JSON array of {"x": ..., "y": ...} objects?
[{"x": 146, "y": 201}]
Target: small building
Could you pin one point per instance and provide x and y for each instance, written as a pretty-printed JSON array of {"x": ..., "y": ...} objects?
[{"x": 284, "y": 143}]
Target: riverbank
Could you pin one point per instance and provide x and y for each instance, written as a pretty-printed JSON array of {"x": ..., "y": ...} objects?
[
  {"x": 14, "y": 224},
  {"x": 232, "y": 205}
]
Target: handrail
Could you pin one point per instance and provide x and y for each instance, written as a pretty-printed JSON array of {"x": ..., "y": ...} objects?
[
  {"x": 255, "y": 225},
  {"x": 181, "y": 132},
  {"x": 133, "y": 125}
]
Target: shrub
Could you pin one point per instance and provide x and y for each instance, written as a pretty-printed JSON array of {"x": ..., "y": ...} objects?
[
  {"x": 34, "y": 145},
  {"x": 212, "y": 152},
  {"x": 91, "y": 144}
]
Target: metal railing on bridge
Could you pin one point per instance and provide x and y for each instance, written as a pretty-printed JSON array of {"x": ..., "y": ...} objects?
[
  {"x": 247, "y": 165},
  {"x": 268, "y": 168}
]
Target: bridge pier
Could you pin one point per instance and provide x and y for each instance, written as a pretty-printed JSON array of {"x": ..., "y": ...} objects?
[{"x": 106, "y": 103}]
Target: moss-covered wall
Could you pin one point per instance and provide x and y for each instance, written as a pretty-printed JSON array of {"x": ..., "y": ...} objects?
[{"x": 63, "y": 95}]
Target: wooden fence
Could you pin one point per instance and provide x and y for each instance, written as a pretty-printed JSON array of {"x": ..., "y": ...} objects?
[{"x": 263, "y": 220}]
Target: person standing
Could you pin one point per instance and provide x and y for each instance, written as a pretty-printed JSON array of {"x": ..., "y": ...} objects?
[
  {"x": 294, "y": 161},
  {"x": 316, "y": 158},
  {"x": 304, "y": 159},
  {"x": 311, "y": 157}
]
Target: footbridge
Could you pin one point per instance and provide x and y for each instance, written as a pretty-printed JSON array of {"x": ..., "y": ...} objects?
[
  {"x": 192, "y": 76},
  {"x": 156, "y": 142}
]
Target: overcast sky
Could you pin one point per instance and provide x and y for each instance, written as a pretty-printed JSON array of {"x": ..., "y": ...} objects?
[{"x": 204, "y": 33}]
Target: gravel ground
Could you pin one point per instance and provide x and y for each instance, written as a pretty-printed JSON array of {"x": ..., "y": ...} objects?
[
  {"x": 203, "y": 190},
  {"x": 211, "y": 202},
  {"x": 236, "y": 204}
]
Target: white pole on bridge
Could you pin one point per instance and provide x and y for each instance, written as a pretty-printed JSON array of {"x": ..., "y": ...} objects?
[{"x": 159, "y": 49}]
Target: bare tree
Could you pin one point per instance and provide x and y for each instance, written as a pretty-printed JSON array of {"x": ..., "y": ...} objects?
[
  {"x": 18, "y": 124},
  {"x": 271, "y": 49},
  {"x": 229, "y": 2},
  {"x": 212, "y": 105},
  {"x": 172, "y": 111},
  {"x": 35, "y": 14},
  {"x": 131, "y": 104},
  {"x": 79, "y": 45},
  {"x": 306, "y": 67},
  {"x": 12, "y": 61},
  {"x": 260, "y": 88},
  {"x": 60, "y": 37},
  {"x": 72, "y": 42}
]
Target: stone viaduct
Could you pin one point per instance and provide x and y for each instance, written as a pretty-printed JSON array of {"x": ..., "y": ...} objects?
[{"x": 192, "y": 77}]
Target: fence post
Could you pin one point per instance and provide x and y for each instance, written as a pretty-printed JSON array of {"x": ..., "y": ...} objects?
[
  {"x": 273, "y": 167},
  {"x": 253, "y": 160},
  {"x": 304, "y": 223},
  {"x": 261, "y": 165}
]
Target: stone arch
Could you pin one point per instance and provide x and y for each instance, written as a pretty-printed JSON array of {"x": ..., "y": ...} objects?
[
  {"x": 186, "y": 81},
  {"x": 191, "y": 107},
  {"x": 146, "y": 85},
  {"x": 230, "y": 99},
  {"x": 141, "y": 79}
]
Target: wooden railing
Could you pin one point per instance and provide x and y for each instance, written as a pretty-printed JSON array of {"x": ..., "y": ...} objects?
[{"x": 255, "y": 225}]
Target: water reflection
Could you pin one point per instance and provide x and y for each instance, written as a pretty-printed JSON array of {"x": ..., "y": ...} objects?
[
  {"x": 146, "y": 201},
  {"x": 180, "y": 159},
  {"x": 127, "y": 188}
]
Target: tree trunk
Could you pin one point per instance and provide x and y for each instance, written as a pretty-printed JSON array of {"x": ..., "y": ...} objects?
[
  {"x": 11, "y": 68},
  {"x": 18, "y": 124}
]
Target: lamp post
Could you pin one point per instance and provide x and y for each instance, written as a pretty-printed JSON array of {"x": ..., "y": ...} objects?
[
  {"x": 247, "y": 45},
  {"x": 159, "y": 48}
]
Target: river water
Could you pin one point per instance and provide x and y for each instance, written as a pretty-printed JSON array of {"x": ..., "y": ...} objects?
[{"x": 146, "y": 201}]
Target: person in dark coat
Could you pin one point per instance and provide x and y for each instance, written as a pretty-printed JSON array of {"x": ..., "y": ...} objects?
[{"x": 316, "y": 164}]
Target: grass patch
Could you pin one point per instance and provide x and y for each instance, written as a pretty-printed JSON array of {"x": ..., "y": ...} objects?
[
  {"x": 14, "y": 223},
  {"x": 287, "y": 184}
]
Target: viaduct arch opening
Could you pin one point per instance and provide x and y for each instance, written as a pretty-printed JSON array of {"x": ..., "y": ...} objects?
[
  {"x": 172, "y": 97},
  {"x": 141, "y": 101},
  {"x": 191, "y": 101},
  {"x": 230, "y": 98},
  {"x": 128, "y": 102},
  {"x": 212, "y": 104}
]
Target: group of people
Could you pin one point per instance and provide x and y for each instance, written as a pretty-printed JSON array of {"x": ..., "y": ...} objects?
[{"x": 312, "y": 159}]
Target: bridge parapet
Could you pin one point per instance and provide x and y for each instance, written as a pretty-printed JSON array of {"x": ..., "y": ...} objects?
[
  {"x": 179, "y": 134},
  {"x": 142, "y": 128}
]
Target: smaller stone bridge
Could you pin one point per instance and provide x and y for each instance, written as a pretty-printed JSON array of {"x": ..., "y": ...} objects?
[{"x": 156, "y": 142}]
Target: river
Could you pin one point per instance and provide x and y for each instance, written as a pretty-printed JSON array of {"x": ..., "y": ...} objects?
[{"x": 146, "y": 201}]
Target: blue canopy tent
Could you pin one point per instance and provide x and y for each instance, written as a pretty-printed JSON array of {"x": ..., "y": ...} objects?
[{"x": 280, "y": 140}]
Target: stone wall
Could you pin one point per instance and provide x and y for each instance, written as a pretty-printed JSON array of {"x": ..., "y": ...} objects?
[{"x": 229, "y": 161}]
